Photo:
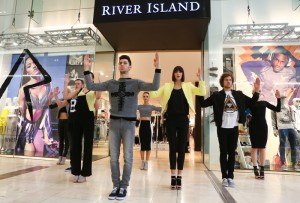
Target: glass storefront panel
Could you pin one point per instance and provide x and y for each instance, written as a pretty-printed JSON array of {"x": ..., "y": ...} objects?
[
  {"x": 40, "y": 38},
  {"x": 251, "y": 50}
]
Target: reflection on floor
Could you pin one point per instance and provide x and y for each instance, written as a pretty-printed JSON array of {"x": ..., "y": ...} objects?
[
  {"x": 100, "y": 151},
  {"x": 47, "y": 183}
]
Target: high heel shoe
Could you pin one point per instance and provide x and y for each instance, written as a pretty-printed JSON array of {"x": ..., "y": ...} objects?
[
  {"x": 262, "y": 172},
  {"x": 179, "y": 178},
  {"x": 256, "y": 172},
  {"x": 173, "y": 182}
]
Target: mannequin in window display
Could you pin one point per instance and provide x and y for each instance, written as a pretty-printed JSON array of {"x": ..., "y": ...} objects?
[
  {"x": 11, "y": 127},
  {"x": 3, "y": 118},
  {"x": 36, "y": 133},
  {"x": 296, "y": 111},
  {"x": 284, "y": 126}
]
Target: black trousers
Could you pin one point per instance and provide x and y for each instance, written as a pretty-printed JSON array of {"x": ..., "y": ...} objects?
[
  {"x": 82, "y": 127},
  {"x": 63, "y": 133},
  {"x": 177, "y": 130},
  {"x": 227, "y": 142}
]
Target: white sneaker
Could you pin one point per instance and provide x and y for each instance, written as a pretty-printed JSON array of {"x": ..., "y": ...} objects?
[
  {"x": 231, "y": 182},
  {"x": 146, "y": 165},
  {"x": 59, "y": 160},
  {"x": 75, "y": 179},
  {"x": 81, "y": 179},
  {"x": 283, "y": 167},
  {"x": 225, "y": 182},
  {"x": 143, "y": 165},
  {"x": 62, "y": 161}
]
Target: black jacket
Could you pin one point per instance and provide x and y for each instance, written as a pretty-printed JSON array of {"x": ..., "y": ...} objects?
[{"x": 217, "y": 101}]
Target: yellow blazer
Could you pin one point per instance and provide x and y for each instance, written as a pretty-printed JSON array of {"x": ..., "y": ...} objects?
[{"x": 188, "y": 89}]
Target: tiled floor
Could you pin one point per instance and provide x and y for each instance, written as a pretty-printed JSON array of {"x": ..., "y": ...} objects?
[{"x": 48, "y": 183}]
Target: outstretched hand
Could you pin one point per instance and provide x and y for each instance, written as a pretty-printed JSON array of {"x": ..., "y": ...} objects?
[
  {"x": 87, "y": 63},
  {"x": 56, "y": 91},
  {"x": 256, "y": 85},
  {"x": 67, "y": 79},
  {"x": 156, "y": 60},
  {"x": 199, "y": 74},
  {"x": 277, "y": 94}
]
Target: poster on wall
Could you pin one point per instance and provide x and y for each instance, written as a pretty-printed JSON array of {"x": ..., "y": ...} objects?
[
  {"x": 38, "y": 135},
  {"x": 278, "y": 68}
]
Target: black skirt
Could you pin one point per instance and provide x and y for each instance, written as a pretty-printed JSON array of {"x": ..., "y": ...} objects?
[{"x": 145, "y": 134}]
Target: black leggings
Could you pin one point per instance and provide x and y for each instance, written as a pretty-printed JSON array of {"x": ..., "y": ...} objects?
[
  {"x": 63, "y": 133},
  {"x": 177, "y": 130},
  {"x": 227, "y": 142}
]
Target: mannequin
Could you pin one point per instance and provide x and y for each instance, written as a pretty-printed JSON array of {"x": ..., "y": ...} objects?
[
  {"x": 3, "y": 117},
  {"x": 11, "y": 127},
  {"x": 296, "y": 111},
  {"x": 283, "y": 125}
]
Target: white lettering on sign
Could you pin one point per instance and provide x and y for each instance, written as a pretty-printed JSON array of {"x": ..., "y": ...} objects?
[
  {"x": 151, "y": 8},
  {"x": 118, "y": 10}
]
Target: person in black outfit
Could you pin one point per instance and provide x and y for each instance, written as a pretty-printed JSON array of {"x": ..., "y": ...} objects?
[
  {"x": 82, "y": 106},
  {"x": 229, "y": 110},
  {"x": 177, "y": 102},
  {"x": 63, "y": 125},
  {"x": 258, "y": 130}
]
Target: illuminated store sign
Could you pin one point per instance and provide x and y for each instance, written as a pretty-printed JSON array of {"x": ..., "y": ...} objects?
[
  {"x": 151, "y": 8},
  {"x": 132, "y": 10}
]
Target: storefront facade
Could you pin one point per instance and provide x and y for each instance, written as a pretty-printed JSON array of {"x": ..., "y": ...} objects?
[{"x": 58, "y": 39}]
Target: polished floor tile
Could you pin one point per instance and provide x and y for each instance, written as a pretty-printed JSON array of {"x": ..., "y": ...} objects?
[{"x": 52, "y": 184}]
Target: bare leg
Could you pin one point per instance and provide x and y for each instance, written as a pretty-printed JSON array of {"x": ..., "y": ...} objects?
[
  {"x": 254, "y": 156},
  {"x": 148, "y": 155},
  {"x": 143, "y": 160},
  {"x": 262, "y": 156},
  {"x": 254, "y": 161},
  {"x": 142, "y": 155}
]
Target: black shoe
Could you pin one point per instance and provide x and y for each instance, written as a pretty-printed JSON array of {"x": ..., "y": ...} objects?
[
  {"x": 256, "y": 172},
  {"x": 173, "y": 182},
  {"x": 114, "y": 193},
  {"x": 262, "y": 172},
  {"x": 122, "y": 194},
  {"x": 68, "y": 169},
  {"x": 179, "y": 178}
]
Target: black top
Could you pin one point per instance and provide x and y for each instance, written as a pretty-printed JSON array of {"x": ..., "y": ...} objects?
[
  {"x": 177, "y": 104},
  {"x": 217, "y": 101}
]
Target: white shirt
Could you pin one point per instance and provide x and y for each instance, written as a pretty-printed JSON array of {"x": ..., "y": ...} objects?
[{"x": 230, "y": 114}]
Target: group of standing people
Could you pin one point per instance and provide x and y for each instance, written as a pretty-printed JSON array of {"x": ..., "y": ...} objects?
[{"x": 77, "y": 108}]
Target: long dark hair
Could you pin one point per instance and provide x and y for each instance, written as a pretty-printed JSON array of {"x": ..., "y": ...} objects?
[{"x": 176, "y": 69}]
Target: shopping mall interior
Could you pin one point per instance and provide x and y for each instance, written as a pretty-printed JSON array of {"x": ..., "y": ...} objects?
[{"x": 245, "y": 39}]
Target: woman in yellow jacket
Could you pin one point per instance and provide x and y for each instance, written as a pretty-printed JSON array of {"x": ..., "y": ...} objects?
[{"x": 177, "y": 100}]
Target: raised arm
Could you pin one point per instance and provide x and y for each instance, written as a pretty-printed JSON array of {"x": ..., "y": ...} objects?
[
  {"x": 158, "y": 93},
  {"x": 66, "y": 93},
  {"x": 156, "y": 80},
  {"x": 90, "y": 85},
  {"x": 201, "y": 89},
  {"x": 276, "y": 108},
  {"x": 274, "y": 123},
  {"x": 60, "y": 103},
  {"x": 157, "y": 108},
  {"x": 205, "y": 102}
]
